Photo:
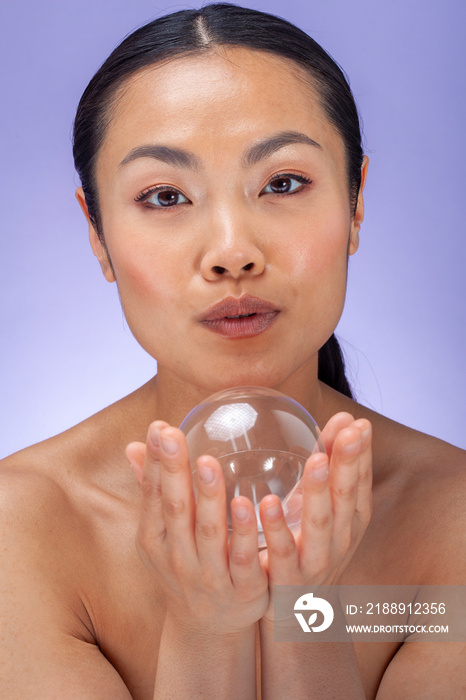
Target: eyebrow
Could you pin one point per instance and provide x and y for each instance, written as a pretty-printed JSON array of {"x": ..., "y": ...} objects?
[
  {"x": 167, "y": 154},
  {"x": 185, "y": 159},
  {"x": 268, "y": 146}
]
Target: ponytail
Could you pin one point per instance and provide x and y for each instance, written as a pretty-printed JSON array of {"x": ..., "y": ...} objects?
[{"x": 332, "y": 367}]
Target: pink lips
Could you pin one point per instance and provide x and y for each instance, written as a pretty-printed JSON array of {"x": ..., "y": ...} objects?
[{"x": 240, "y": 318}]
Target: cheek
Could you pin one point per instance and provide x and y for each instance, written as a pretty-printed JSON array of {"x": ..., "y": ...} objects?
[
  {"x": 139, "y": 275},
  {"x": 319, "y": 278},
  {"x": 148, "y": 279},
  {"x": 144, "y": 260},
  {"x": 321, "y": 250}
]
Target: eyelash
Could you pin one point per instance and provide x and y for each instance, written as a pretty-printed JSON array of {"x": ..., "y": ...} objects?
[
  {"x": 146, "y": 194},
  {"x": 292, "y": 176}
]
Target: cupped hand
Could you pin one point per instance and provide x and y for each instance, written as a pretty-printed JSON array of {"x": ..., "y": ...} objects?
[
  {"x": 336, "y": 510},
  {"x": 208, "y": 582}
]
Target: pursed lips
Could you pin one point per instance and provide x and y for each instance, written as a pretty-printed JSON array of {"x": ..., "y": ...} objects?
[{"x": 244, "y": 317}]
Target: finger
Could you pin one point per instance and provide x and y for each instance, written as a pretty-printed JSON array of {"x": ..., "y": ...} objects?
[
  {"x": 151, "y": 523},
  {"x": 293, "y": 506},
  {"x": 211, "y": 520},
  {"x": 317, "y": 517},
  {"x": 344, "y": 477},
  {"x": 177, "y": 490},
  {"x": 244, "y": 560},
  {"x": 136, "y": 454},
  {"x": 364, "y": 492},
  {"x": 332, "y": 428},
  {"x": 282, "y": 552}
]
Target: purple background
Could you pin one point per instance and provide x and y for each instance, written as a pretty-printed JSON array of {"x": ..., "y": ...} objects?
[{"x": 66, "y": 351}]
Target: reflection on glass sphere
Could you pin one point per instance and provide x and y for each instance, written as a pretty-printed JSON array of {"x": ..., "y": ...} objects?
[{"x": 261, "y": 438}]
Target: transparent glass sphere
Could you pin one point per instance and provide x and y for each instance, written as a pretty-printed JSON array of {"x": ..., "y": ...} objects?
[{"x": 262, "y": 439}]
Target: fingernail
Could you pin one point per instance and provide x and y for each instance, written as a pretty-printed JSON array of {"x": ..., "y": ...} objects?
[
  {"x": 352, "y": 447},
  {"x": 154, "y": 433},
  {"x": 366, "y": 432},
  {"x": 240, "y": 512},
  {"x": 206, "y": 474},
  {"x": 169, "y": 445},
  {"x": 273, "y": 510},
  {"x": 320, "y": 472}
]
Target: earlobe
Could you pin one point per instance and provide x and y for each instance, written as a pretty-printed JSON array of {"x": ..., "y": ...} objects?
[
  {"x": 97, "y": 245},
  {"x": 359, "y": 213},
  {"x": 353, "y": 240},
  {"x": 101, "y": 254}
]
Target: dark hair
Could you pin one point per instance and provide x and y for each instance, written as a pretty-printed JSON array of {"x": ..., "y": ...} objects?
[{"x": 195, "y": 32}]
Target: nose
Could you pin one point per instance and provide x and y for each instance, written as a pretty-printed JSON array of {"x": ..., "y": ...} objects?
[{"x": 232, "y": 251}]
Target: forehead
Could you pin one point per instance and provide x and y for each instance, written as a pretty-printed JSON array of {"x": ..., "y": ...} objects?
[{"x": 229, "y": 92}]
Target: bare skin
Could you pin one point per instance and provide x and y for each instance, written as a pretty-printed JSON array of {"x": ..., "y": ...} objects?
[
  {"x": 90, "y": 608},
  {"x": 71, "y": 506}
]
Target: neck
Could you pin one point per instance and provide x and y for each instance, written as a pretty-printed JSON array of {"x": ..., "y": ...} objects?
[{"x": 174, "y": 398}]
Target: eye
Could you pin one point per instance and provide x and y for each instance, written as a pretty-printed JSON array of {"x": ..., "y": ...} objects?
[
  {"x": 286, "y": 183},
  {"x": 161, "y": 197}
]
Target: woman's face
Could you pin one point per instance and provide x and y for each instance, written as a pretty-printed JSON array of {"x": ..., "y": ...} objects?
[{"x": 219, "y": 180}]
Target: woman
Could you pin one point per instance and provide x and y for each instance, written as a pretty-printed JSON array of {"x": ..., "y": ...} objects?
[{"x": 222, "y": 175}]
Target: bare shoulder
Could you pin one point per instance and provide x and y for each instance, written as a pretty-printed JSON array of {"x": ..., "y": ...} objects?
[
  {"x": 85, "y": 462},
  {"x": 66, "y": 487},
  {"x": 420, "y": 491},
  {"x": 402, "y": 451},
  {"x": 42, "y": 529},
  {"x": 33, "y": 501},
  {"x": 423, "y": 464},
  {"x": 53, "y": 501},
  {"x": 419, "y": 537}
]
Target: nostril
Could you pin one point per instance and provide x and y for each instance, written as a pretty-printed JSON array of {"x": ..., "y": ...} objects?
[{"x": 219, "y": 270}]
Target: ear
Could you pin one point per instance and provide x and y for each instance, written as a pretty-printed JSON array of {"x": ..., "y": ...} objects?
[
  {"x": 97, "y": 244},
  {"x": 359, "y": 213}
]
